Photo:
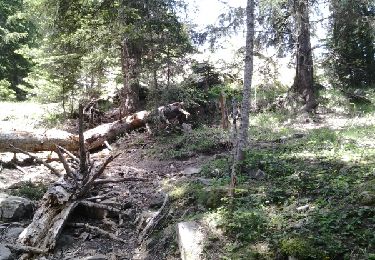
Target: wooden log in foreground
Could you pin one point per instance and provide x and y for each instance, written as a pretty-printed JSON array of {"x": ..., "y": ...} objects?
[{"x": 46, "y": 140}]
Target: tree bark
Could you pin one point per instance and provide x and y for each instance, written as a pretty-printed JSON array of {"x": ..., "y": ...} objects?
[
  {"x": 130, "y": 64},
  {"x": 304, "y": 83},
  {"x": 242, "y": 139},
  {"x": 41, "y": 140}
]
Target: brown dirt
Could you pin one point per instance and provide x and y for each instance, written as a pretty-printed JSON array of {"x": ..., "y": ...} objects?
[{"x": 135, "y": 197}]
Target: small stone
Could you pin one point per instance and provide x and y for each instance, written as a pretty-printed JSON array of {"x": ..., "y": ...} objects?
[
  {"x": 303, "y": 208},
  {"x": 283, "y": 139},
  {"x": 367, "y": 198},
  {"x": 5, "y": 253},
  {"x": 257, "y": 174},
  {"x": 157, "y": 201},
  {"x": 190, "y": 240},
  {"x": 191, "y": 171},
  {"x": 204, "y": 181},
  {"x": 172, "y": 166}
]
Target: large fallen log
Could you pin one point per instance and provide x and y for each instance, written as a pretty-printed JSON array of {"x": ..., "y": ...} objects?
[{"x": 45, "y": 140}]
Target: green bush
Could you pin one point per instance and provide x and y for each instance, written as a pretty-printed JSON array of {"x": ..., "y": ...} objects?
[
  {"x": 245, "y": 224},
  {"x": 298, "y": 247},
  {"x": 30, "y": 190},
  {"x": 204, "y": 140},
  {"x": 6, "y": 94},
  {"x": 217, "y": 168}
]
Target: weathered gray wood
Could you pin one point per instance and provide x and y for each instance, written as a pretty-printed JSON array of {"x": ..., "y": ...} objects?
[{"x": 42, "y": 140}]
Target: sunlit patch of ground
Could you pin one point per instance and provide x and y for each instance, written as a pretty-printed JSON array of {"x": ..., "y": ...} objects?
[{"x": 24, "y": 115}]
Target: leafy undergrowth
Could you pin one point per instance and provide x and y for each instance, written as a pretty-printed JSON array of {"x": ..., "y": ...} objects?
[
  {"x": 205, "y": 140},
  {"x": 30, "y": 190},
  {"x": 316, "y": 201}
]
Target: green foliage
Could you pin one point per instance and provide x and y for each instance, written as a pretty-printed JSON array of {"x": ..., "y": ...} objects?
[
  {"x": 330, "y": 171},
  {"x": 196, "y": 193},
  {"x": 245, "y": 224},
  {"x": 191, "y": 96},
  {"x": 16, "y": 32},
  {"x": 299, "y": 248},
  {"x": 30, "y": 190},
  {"x": 204, "y": 140},
  {"x": 6, "y": 93},
  {"x": 217, "y": 168},
  {"x": 351, "y": 60}
]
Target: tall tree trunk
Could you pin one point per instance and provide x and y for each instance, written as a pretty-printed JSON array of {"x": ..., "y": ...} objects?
[
  {"x": 242, "y": 139},
  {"x": 304, "y": 83},
  {"x": 130, "y": 64}
]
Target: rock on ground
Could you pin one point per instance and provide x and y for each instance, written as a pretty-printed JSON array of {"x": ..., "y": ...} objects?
[
  {"x": 15, "y": 208},
  {"x": 190, "y": 240},
  {"x": 189, "y": 171},
  {"x": 5, "y": 253}
]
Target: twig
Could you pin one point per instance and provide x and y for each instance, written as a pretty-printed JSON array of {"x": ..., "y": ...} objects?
[
  {"x": 88, "y": 182},
  {"x": 103, "y": 196},
  {"x": 69, "y": 171},
  {"x": 69, "y": 153},
  {"x": 98, "y": 230},
  {"x": 154, "y": 221},
  {"x": 53, "y": 170},
  {"x": 18, "y": 168},
  {"x": 91, "y": 204},
  {"x": 129, "y": 179},
  {"x": 108, "y": 145}
]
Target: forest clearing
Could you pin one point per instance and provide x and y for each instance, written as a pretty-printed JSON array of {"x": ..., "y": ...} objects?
[{"x": 128, "y": 131}]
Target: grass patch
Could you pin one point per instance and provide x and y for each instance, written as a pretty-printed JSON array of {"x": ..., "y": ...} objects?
[
  {"x": 30, "y": 190},
  {"x": 315, "y": 204}
]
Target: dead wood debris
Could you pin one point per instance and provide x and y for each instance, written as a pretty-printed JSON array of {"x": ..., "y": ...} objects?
[
  {"x": 98, "y": 230},
  {"x": 154, "y": 220},
  {"x": 63, "y": 197},
  {"x": 53, "y": 170}
]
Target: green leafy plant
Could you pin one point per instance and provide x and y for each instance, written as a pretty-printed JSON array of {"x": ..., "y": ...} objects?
[{"x": 30, "y": 190}]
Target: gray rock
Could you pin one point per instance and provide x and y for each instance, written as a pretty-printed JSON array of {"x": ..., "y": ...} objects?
[
  {"x": 190, "y": 240},
  {"x": 204, "y": 181},
  {"x": 303, "y": 208},
  {"x": 191, "y": 171},
  {"x": 13, "y": 233},
  {"x": 367, "y": 198},
  {"x": 15, "y": 208},
  {"x": 257, "y": 174},
  {"x": 157, "y": 201},
  {"x": 5, "y": 253}
]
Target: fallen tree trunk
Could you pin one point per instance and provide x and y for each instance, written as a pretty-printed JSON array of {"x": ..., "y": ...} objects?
[
  {"x": 41, "y": 140},
  {"x": 62, "y": 198}
]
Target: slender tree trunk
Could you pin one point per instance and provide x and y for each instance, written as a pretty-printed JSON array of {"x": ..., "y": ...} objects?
[
  {"x": 130, "y": 63},
  {"x": 168, "y": 68},
  {"x": 304, "y": 83},
  {"x": 242, "y": 139}
]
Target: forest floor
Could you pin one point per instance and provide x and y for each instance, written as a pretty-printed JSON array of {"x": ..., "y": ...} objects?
[{"x": 307, "y": 190}]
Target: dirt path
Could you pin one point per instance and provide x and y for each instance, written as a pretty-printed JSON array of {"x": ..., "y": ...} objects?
[{"x": 137, "y": 198}]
